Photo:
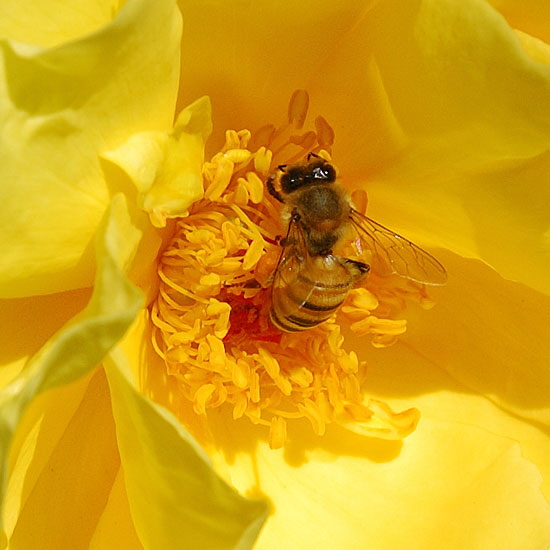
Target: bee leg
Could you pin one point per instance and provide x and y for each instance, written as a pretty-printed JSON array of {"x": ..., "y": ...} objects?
[
  {"x": 285, "y": 241},
  {"x": 249, "y": 283},
  {"x": 272, "y": 191},
  {"x": 357, "y": 269}
]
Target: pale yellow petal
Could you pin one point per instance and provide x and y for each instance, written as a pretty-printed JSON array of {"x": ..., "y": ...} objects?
[
  {"x": 79, "y": 346},
  {"x": 176, "y": 498},
  {"x": 458, "y": 81},
  {"x": 498, "y": 216},
  {"x": 22, "y": 335},
  {"x": 448, "y": 485},
  {"x": 38, "y": 433},
  {"x": 474, "y": 178},
  {"x": 530, "y": 16},
  {"x": 59, "y": 109},
  {"x": 64, "y": 502},
  {"x": 536, "y": 48},
  {"x": 408, "y": 374},
  {"x": 166, "y": 167},
  {"x": 491, "y": 335},
  {"x": 45, "y": 23},
  {"x": 115, "y": 529}
]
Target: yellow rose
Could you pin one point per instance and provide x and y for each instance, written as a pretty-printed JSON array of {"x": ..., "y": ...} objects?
[{"x": 440, "y": 111}]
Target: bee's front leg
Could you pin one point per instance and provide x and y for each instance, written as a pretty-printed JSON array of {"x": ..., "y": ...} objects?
[{"x": 357, "y": 269}]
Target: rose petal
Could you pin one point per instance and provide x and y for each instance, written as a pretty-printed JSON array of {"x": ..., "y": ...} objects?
[
  {"x": 407, "y": 373},
  {"x": 22, "y": 336},
  {"x": 537, "y": 49},
  {"x": 116, "y": 522},
  {"x": 261, "y": 54},
  {"x": 60, "y": 108},
  {"x": 42, "y": 23},
  {"x": 499, "y": 216},
  {"x": 458, "y": 81},
  {"x": 491, "y": 335},
  {"x": 166, "y": 169},
  {"x": 457, "y": 186},
  {"x": 79, "y": 347},
  {"x": 77, "y": 474},
  {"x": 448, "y": 482},
  {"x": 176, "y": 498},
  {"x": 532, "y": 16}
]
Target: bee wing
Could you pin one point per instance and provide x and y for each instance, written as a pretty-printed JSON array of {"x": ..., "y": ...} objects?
[
  {"x": 307, "y": 289},
  {"x": 393, "y": 254},
  {"x": 292, "y": 261}
]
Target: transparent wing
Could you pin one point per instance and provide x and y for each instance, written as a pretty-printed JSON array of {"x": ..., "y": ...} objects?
[
  {"x": 292, "y": 261},
  {"x": 393, "y": 254}
]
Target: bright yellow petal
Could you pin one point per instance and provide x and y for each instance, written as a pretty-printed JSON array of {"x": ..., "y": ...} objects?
[
  {"x": 537, "y": 49},
  {"x": 409, "y": 374},
  {"x": 464, "y": 110},
  {"x": 176, "y": 498},
  {"x": 38, "y": 433},
  {"x": 531, "y": 16},
  {"x": 459, "y": 82},
  {"x": 250, "y": 57},
  {"x": 116, "y": 529},
  {"x": 23, "y": 336},
  {"x": 166, "y": 168},
  {"x": 455, "y": 76},
  {"x": 491, "y": 335},
  {"x": 426, "y": 95},
  {"x": 80, "y": 346},
  {"x": 448, "y": 485},
  {"x": 59, "y": 109},
  {"x": 47, "y": 24},
  {"x": 499, "y": 216},
  {"x": 63, "y": 503}
]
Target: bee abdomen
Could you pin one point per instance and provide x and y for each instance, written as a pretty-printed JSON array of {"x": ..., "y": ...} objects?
[{"x": 292, "y": 310}]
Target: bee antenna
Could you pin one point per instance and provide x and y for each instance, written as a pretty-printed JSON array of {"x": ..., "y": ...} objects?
[
  {"x": 312, "y": 154},
  {"x": 282, "y": 167}
]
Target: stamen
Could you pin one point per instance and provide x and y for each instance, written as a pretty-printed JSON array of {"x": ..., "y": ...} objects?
[
  {"x": 325, "y": 132},
  {"x": 297, "y": 108},
  {"x": 211, "y": 316}
]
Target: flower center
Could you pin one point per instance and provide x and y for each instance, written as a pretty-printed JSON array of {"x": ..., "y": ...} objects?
[{"x": 211, "y": 317}]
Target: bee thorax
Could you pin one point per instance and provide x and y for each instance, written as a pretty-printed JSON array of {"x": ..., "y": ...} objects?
[
  {"x": 322, "y": 205},
  {"x": 321, "y": 243}
]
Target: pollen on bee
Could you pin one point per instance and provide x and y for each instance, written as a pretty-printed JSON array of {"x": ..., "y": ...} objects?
[{"x": 210, "y": 318}]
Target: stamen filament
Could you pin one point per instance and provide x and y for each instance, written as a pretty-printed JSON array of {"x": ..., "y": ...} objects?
[{"x": 210, "y": 319}]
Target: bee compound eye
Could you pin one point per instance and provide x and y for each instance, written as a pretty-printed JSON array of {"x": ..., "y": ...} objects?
[
  {"x": 291, "y": 180},
  {"x": 325, "y": 172}
]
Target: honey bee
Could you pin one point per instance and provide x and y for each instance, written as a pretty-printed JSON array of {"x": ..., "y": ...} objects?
[{"x": 310, "y": 281}]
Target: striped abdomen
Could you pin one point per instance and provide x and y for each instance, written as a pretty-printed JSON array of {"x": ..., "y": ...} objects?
[{"x": 304, "y": 298}]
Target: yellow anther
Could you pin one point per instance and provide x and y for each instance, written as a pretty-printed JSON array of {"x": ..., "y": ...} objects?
[
  {"x": 202, "y": 395},
  {"x": 211, "y": 315},
  {"x": 298, "y": 107},
  {"x": 325, "y": 132},
  {"x": 221, "y": 180}
]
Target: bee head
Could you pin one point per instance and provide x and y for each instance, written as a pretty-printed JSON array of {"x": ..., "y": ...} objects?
[{"x": 314, "y": 172}]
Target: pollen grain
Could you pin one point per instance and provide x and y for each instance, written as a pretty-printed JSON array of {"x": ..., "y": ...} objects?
[{"x": 210, "y": 318}]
